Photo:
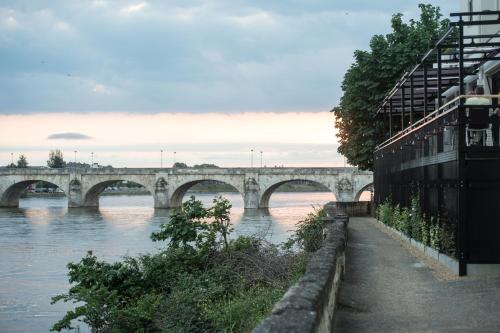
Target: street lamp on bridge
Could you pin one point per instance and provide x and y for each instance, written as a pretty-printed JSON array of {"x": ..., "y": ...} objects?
[
  {"x": 261, "y": 152},
  {"x": 161, "y": 158},
  {"x": 251, "y": 158}
]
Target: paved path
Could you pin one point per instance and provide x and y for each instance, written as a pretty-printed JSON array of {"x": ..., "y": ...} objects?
[{"x": 387, "y": 289}]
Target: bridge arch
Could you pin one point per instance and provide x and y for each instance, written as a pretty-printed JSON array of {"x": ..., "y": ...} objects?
[
  {"x": 90, "y": 197},
  {"x": 11, "y": 195},
  {"x": 363, "y": 189},
  {"x": 268, "y": 192},
  {"x": 180, "y": 191}
]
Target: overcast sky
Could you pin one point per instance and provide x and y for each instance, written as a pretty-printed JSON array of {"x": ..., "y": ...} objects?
[
  {"x": 165, "y": 56},
  {"x": 180, "y": 57}
]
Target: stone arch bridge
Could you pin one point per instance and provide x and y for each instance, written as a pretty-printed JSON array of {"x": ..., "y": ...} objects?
[{"x": 168, "y": 186}]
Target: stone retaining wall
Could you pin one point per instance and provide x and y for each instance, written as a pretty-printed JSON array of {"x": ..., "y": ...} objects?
[
  {"x": 356, "y": 208},
  {"x": 309, "y": 305}
]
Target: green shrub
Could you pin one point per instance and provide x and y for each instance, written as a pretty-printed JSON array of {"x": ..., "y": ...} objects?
[
  {"x": 447, "y": 236},
  {"x": 385, "y": 213},
  {"x": 309, "y": 233},
  {"x": 245, "y": 311},
  {"x": 435, "y": 236},
  {"x": 425, "y": 231},
  {"x": 201, "y": 281},
  {"x": 412, "y": 223},
  {"x": 416, "y": 218}
]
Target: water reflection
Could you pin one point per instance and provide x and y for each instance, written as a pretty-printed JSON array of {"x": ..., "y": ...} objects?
[{"x": 42, "y": 236}]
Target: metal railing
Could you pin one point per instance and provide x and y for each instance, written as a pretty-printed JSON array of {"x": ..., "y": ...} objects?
[{"x": 442, "y": 111}]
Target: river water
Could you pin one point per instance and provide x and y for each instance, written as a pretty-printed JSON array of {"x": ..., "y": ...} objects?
[{"x": 39, "y": 238}]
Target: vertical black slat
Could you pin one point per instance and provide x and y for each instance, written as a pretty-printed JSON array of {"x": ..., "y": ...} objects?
[
  {"x": 462, "y": 191},
  {"x": 439, "y": 68},
  {"x": 402, "y": 107},
  {"x": 425, "y": 90},
  {"x": 412, "y": 101},
  {"x": 390, "y": 118}
]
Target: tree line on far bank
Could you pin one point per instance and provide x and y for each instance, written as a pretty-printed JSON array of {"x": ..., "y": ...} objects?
[
  {"x": 22, "y": 162},
  {"x": 56, "y": 160}
]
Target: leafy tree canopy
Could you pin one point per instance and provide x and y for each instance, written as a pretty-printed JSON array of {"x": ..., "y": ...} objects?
[
  {"x": 205, "y": 166},
  {"x": 373, "y": 74},
  {"x": 56, "y": 159},
  {"x": 180, "y": 165},
  {"x": 22, "y": 162}
]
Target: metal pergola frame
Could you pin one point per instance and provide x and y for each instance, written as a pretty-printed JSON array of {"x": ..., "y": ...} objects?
[
  {"x": 414, "y": 160},
  {"x": 419, "y": 92}
]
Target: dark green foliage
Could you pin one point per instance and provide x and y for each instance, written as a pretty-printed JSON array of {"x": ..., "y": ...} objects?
[
  {"x": 22, "y": 162},
  {"x": 201, "y": 282},
  {"x": 56, "y": 159},
  {"x": 373, "y": 74},
  {"x": 410, "y": 221},
  {"x": 180, "y": 165},
  {"x": 185, "y": 225},
  {"x": 204, "y": 166},
  {"x": 221, "y": 221},
  {"x": 309, "y": 233}
]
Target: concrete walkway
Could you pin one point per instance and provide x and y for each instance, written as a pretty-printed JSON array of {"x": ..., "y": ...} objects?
[{"x": 387, "y": 289}]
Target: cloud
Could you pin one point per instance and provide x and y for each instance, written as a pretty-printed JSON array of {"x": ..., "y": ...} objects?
[
  {"x": 68, "y": 136},
  {"x": 63, "y": 26},
  {"x": 132, "y": 9},
  {"x": 101, "y": 89},
  {"x": 183, "y": 55}
]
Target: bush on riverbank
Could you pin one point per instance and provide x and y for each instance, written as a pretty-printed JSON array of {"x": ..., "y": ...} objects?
[
  {"x": 309, "y": 233},
  {"x": 201, "y": 281},
  {"x": 432, "y": 232}
]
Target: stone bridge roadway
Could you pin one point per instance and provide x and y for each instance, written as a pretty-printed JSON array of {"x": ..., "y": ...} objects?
[{"x": 168, "y": 186}]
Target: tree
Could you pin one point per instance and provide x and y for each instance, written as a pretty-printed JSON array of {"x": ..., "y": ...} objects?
[
  {"x": 184, "y": 226},
  {"x": 56, "y": 159},
  {"x": 373, "y": 74},
  {"x": 220, "y": 212},
  {"x": 180, "y": 165},
  {"x": 205, "y": 166},
  {"x": 22, "y": 162}
]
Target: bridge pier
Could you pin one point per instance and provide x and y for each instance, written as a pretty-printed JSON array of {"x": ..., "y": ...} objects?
[
  {"x": 251, "y": 195},
  {"x": 74, "y": 193},
  {"x": 161, "y": 194}
]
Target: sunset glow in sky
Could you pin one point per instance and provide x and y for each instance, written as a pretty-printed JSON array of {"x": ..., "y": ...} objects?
[
  {"x": 121, "y": 139},
  {"x": 208, "y": 79}
]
